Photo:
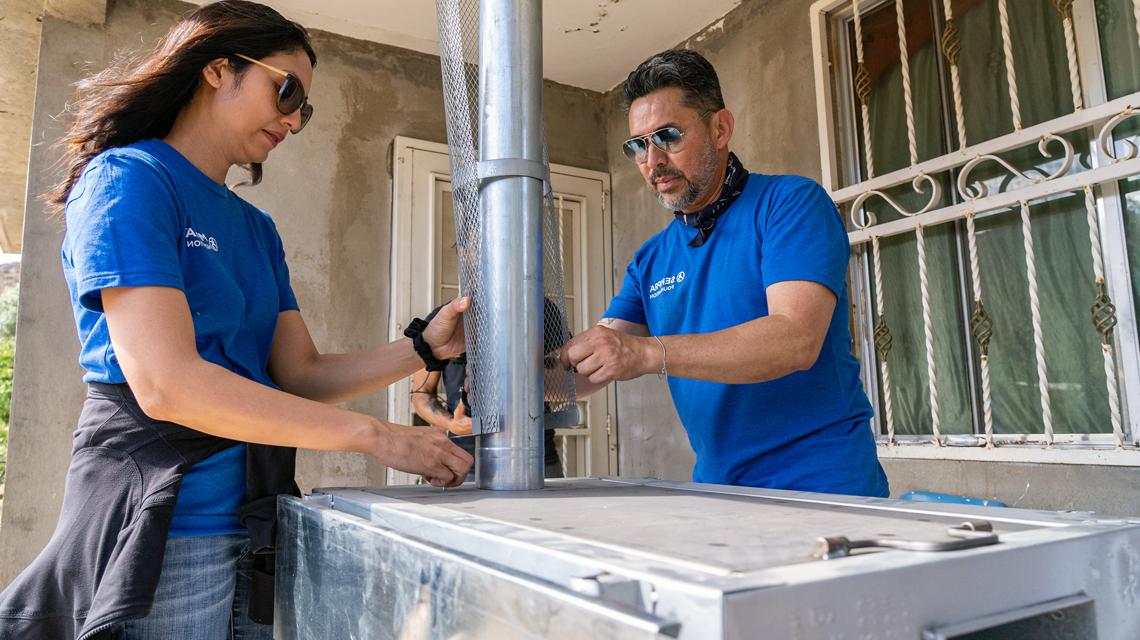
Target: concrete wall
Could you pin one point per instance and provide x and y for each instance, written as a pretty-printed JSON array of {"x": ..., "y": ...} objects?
[
  {"x": 19, "y": 48},
  {"x": 329, "y": 191},
  {"x": 763, "y": 56},
  {"x": 47, "y": 391},
  {"x": 1113, "y": 491}
]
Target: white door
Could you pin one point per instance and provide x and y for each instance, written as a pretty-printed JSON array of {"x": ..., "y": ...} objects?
[{"x": 425, "y": 273}]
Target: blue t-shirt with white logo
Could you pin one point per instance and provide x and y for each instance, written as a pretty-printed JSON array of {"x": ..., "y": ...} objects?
[
  {"x": 806, "y": 431},
  {"x": 143, "y": 215}
]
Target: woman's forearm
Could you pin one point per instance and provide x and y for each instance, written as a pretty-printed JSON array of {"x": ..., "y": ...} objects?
[
  {"x": 297, "y": 366},
  {"x": 338, "y": 377},
  {"x": 153, "y": 335},
  {"x": 214, "y": 400}
]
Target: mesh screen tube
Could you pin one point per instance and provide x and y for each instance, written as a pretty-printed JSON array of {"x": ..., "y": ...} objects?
[{"x": 506, "y": 232}]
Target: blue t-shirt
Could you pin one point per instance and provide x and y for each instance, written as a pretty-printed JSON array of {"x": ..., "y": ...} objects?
[
  {"x": 806, "y": 431},
  {"x": 143, "y": 215}
]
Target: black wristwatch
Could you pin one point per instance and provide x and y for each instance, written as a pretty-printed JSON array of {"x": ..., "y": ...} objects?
[{"x": 415, "y": 331}]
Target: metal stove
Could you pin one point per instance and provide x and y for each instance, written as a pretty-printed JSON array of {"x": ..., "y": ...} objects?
[{"x": 622, "y": 558}]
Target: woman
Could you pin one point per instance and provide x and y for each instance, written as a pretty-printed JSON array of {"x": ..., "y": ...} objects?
[{"x": 193, "y": 346}]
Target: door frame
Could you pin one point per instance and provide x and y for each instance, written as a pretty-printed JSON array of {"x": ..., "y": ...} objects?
[{"x": 408, "y": 236}]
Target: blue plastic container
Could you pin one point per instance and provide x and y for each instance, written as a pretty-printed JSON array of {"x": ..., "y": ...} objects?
[{"x": 930, "y": 496}]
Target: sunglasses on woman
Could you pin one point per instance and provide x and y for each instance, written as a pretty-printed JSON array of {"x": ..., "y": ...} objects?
[
  {"x": 667, "y": 139},
  {"x": 290, "y": 93}
]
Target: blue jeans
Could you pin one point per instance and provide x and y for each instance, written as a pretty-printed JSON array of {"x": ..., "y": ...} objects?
[{"x": 203, "y": 593}]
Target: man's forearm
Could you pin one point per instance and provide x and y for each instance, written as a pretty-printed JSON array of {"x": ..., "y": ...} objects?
[{"x": 756, "y": 351}]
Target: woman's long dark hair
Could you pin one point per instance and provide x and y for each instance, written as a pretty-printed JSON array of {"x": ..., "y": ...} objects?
[{"x": 140, "y": 99}]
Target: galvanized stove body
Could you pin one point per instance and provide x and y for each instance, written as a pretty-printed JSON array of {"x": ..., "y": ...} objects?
[{"x": 610, "y": 558}]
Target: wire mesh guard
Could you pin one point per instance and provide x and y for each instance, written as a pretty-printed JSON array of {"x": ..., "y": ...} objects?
[{"x": 459, "y": 54}]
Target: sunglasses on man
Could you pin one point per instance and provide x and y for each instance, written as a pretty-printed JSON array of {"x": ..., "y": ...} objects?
[
  {"x": 290, "y": 93},
  {"x": 667, "y": 139}
]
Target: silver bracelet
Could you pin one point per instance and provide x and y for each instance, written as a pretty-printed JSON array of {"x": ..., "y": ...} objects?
[{"x": 664, "y": 372}]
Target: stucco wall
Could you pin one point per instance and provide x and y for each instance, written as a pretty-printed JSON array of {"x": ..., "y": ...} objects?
[
  {"x": 19, "y": 48},
  {"x": 329, "y": 191},
  {"x": 47, "y": 391}
]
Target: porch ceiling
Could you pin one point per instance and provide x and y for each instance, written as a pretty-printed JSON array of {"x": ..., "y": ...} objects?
[{"x": 590, "y": 44}]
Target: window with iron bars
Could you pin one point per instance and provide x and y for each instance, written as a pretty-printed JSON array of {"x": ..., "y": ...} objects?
[{"x": 984, "y": 156}]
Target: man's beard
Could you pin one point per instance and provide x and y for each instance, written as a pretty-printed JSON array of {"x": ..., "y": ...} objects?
[{"x": 695, "y": 187}]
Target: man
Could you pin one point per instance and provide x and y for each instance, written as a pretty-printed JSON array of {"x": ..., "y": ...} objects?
[{"x": 741, "y": 301}]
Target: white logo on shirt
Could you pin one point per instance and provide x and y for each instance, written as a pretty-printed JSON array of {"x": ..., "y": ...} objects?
[
  {"x": 668, "y": 283},
  {"x": 196, "y": 239}
]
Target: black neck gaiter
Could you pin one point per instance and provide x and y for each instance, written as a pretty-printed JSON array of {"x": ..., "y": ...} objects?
[{"x": 704, "y": 220}]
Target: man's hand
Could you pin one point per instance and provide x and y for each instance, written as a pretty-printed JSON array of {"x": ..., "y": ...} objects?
[
  {"x": 603, "y": 355},
  {"x": 444, "y": 334},
  {"x": 460, "y": 423},
  {"x": 425, "y": 451}
]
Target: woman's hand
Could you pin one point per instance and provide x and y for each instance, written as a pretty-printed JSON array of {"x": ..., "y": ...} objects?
[
  {"x": 424, "y": 451},
  {"x": 444, "y": 334}
]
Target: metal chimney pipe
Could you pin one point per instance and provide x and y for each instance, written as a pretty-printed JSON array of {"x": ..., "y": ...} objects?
[{"x": 511, "y": 208}]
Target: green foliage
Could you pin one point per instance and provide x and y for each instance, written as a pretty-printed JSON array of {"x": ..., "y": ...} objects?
[
  {"x": 8, "y": 303},
  {"x": 7, "y": 355}
]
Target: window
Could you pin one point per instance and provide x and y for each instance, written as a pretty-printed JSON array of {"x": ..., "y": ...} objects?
[{"x": 982, "y": 153}]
